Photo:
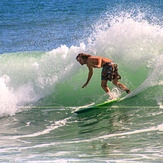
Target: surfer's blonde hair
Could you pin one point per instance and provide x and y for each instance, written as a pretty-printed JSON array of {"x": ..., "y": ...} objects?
[{"x": 83, "y": 56}]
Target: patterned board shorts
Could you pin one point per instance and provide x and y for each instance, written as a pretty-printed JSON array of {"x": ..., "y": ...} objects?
[{"x": 110, "y": 71}]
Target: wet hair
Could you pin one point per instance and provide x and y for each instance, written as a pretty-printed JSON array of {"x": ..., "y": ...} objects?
[{"x": 83, "y": 56}]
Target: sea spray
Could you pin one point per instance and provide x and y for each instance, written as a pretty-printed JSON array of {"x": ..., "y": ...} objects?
[{"x": 127, "y": 40}]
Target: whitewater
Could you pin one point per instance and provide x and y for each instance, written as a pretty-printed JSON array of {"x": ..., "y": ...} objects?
[{"x": 41, "y": 89}]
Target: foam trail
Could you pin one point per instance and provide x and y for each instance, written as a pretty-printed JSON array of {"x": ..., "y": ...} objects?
[
  {"x": 157, "y": 128},
  {"x": 50, "y": 128}
]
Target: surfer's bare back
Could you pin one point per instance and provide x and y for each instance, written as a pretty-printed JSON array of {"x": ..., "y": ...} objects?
[{"x": 109, "y": 71}]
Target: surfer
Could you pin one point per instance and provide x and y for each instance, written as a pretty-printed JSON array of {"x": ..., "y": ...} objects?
[{"x": 109, "y": 71}]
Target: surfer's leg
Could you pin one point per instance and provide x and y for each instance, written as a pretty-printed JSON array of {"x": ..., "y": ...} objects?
[
  {"x": 120, "y": 85},
  {"x": 105, "y": 87}
]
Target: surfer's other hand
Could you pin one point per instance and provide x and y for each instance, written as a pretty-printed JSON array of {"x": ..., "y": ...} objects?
[{"x": 84, "y": 85}]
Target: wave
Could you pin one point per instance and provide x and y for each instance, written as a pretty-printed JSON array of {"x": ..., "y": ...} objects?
[{"x": 54, "y": 77}]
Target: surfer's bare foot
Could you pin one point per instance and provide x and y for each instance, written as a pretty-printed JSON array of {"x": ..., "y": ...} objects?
[{"x": 110, "y": 95}]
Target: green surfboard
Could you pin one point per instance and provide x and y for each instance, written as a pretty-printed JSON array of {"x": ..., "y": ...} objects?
[{"x": 83, "y": 110}]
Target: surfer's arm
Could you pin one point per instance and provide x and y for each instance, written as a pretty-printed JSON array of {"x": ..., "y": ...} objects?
[{"x": 89, "y": 76}]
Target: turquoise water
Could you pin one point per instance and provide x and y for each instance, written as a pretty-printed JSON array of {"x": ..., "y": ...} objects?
[{"x": 40, "y": 81}]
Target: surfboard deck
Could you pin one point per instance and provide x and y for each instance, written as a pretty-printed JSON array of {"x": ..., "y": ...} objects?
[{"x": 83, "y": 110}]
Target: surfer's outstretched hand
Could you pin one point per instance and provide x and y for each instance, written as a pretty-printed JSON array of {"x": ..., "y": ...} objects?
[{"x": 84, "y": 85}]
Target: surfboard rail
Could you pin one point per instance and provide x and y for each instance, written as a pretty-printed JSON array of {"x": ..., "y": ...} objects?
[{"x": 83, "y": 110}]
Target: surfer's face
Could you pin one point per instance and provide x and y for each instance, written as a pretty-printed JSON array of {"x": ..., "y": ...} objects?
[{"x": 80, "y": 60}]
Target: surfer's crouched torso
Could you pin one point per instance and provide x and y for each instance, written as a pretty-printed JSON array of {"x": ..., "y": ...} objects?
[{"x": 110, "y": 71}]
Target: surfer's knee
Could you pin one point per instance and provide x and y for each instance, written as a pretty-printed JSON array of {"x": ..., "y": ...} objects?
[
  {"x": 103, "y": 85},
  {"x": 115, "y": 82}
]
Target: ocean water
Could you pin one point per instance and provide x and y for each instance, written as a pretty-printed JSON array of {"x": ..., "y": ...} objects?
[{"x": 40, "y": 81}]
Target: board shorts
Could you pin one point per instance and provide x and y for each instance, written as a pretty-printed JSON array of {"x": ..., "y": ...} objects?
[{"x": 110, "y": 71}]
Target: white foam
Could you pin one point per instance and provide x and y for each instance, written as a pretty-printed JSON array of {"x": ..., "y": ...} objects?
[
  {"x": 48, "y": 129},
  {"x": 7, "y": 98},
  {"x": 160, "y": 127}
]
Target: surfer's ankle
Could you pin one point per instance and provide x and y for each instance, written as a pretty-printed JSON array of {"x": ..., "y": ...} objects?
[
  {"x": 110, "y": 95},
  {"x": 128, "y": 91}
]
